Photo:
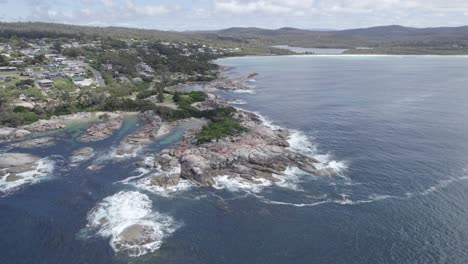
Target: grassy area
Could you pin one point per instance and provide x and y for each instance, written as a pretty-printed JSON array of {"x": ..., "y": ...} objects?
[{"x": 168, "y": 102}]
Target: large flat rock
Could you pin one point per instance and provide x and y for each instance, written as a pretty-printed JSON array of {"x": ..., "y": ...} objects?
[{"x": 8, "y": 160}]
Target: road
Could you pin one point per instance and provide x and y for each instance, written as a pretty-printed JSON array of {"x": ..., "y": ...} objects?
[{"x": 97, "y": 75}]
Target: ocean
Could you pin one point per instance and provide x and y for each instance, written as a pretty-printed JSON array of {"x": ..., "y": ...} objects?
[{"x": 394, "y": 128}]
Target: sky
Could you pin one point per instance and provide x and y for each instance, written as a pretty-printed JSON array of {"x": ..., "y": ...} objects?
[{"x": 183, "y": 15}]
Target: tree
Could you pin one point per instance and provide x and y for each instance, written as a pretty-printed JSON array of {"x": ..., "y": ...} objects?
[
  {"x": 161, "y": 95},
  {"x": 176, "y": 97},
  {"x": 72, "y": 52},
  {"x": 34, "y": 95},
  {"x": 3, "y": 60},
  {"x": 57, "y": 46},
  {"x": 39, "y": 58}
]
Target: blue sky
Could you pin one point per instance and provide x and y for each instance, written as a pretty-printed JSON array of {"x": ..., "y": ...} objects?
[{"x": 216, "y": 14}]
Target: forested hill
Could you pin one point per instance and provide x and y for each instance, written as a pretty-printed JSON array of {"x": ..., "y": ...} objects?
[{"x": 384, "y": 39}]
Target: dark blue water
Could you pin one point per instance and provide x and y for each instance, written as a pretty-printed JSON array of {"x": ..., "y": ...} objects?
[{"x": 398, "y": 123}]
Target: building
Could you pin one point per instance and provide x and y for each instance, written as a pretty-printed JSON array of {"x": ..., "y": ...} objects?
[
  {"x": 51, "y": 55},
  {"x": 59, "y": 59},
  {"x": 107, "y": 67},
  {"x": 17, "y": 62},
  {"x": 82, "y": 82},
  {"x": 146, "y": 68},
  {"x": 45, "y": 83},
  {"x": 7, "y": 69},
  {"x": 53, "y": 75},
  {"x": 28, "y": 72}
]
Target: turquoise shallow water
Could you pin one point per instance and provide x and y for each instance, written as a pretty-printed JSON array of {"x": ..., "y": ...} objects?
[{"x": 397, "y": 126}]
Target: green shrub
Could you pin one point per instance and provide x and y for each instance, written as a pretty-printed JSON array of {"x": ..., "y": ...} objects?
[
  {"x": 29, "y": 117},
  {"x": 220, "y": 129}
]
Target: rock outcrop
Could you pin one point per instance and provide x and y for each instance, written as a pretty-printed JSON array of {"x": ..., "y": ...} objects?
[
  {"x": 9, "y": 133},
  {"x": 229, "y": 84},
  {"x": 35, "y": 143},
  {"x": 260, "y": 154},
  {"x": 13, "y": 165},
  {"x": 154, "y": 130},
  {"x": 102, "y": 129},
  {"x": 82, "y": 154},
  {"x": 44, "y": 125}
]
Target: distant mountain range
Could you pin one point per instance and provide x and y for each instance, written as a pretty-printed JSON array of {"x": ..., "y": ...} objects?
[{"x": 392, "y": 39}]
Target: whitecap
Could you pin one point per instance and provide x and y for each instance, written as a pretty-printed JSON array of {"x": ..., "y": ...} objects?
[
  {"x": 249, "y": 91},
  {"x": 237, "y": 102},
  {"x": 128, "y": 220}
]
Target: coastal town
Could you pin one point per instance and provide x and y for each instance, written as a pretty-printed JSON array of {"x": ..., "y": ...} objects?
[{"x": 36, "y": 72}]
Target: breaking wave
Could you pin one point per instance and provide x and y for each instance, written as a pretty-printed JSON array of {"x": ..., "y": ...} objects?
[
  {"x": 238, "y": 184},
  {"x": 248, "y": 91},
  {"x": 128, "y": 220},
  {"x": 143, "y": 180},
  {"x": 43, "y": 169},
  {"x": 300, "y": 143}
]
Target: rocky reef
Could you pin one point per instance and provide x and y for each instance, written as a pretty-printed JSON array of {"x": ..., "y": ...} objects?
[
  {"x": 102, "y": 129},
  {"x": 17, "y": 169},
  {"x": 231, "y": 84},
  {"x": 262, "y": 153}
]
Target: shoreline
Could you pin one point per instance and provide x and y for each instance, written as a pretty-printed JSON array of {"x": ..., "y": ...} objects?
[{"x": 340, "y": 55}]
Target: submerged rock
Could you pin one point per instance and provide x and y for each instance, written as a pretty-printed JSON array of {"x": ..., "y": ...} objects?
[
  {"x": 165, "y": 180},
  {"x": 9, "y": 133},
  {"x": 128, "y": 219},
  {"x": 35, "y": 143},
  {"x": 82, "y": 154}
]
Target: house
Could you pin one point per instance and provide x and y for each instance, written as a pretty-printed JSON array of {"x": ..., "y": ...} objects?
[
  {"x": 123, "y": 79},
  {"x": 70, "y": 64},
  {"x": 80, "y": 71},
  {"x": 17, "y": 62},
  {"x": 107, "y": 67},
  {"x": 49, "y": 56},
  {"x": 7, "y": 69},
  {"x": 146, "y": 68},
  {"x": 59, "y": 59},
  {"x": 45, "y": 83},
  {"x": 28, "y": 72},
  {"x": 53, "y": 75},
  {"x": 82, "y": 82}
]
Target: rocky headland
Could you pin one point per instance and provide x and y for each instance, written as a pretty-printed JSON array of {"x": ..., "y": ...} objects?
[{"x": 262, "y": 153}]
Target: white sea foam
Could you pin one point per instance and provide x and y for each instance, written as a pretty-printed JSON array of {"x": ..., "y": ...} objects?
[
  {"x": 143, "y": 180},
  {"x": 43, "y": 169},
  {"x": 124, "y": 210},
  {"x": 145, "y": 184},
  {"x": 346, "y": 200},
  {"x": 291, "y": 179},
  {"x": 237, "y": 102},
  {"x": 249, "y": 91},
  {"x": 300, "y": 143},
  {"x": 141, "y": 173},
  {"x": 238, "y": 184}
]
